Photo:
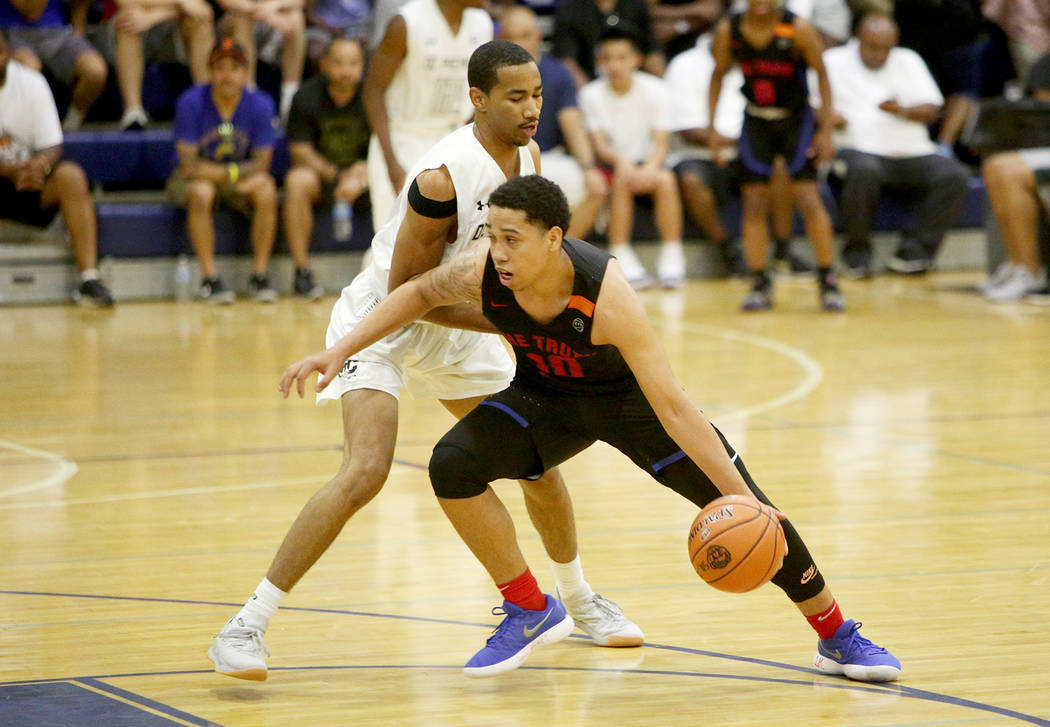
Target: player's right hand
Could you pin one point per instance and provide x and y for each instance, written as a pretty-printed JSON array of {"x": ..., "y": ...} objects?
[{"x": 324, "y": 362}]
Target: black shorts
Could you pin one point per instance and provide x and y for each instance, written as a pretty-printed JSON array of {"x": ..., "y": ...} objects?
[
  {"x": 721, "y": 180},
  {"x": 23, "y": 206},
  {"x": 763, "y": 140},
  {"x": 521, "y": 433}
]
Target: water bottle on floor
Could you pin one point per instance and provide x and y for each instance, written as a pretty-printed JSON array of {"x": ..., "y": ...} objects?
[
  {"x": 182, "y": 279},
  {"x": 342, "y": 220}
]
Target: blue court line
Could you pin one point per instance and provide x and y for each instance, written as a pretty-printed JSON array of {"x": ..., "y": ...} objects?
[
  {"x": 902, "y": 690},
  {"x": 138, "y": 699}
]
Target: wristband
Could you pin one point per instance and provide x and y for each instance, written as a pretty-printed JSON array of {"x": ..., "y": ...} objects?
[{"x": 234, "y": 171}]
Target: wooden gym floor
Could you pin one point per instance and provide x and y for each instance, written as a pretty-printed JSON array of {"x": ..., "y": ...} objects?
[{"x": 148, "y": 470}]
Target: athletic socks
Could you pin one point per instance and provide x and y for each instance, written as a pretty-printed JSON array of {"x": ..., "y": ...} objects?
[
  {"x": 524, "y": 592},
  {"x": 572, "y": 588},
  {"x": 828, "y": 622},
  {"x": 261, "y": 606}
]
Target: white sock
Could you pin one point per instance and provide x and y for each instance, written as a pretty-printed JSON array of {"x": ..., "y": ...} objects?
[
  {"x": 74, "y": 118},
  {"x": 261, "y": 606},
  {"x": 571, "y": 585},
  {"x": 89, "y": 274}
]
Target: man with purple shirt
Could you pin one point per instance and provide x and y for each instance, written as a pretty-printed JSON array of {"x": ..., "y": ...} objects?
[{"x": 224, "y": 136}]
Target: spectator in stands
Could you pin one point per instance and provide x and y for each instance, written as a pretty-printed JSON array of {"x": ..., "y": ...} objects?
[
  {"x": 579, "y": 23},
  {"x": 627, "y": 112},
  {"x": 416, "y": 88},
  {"x": 1018, "y": 184},
  {"x": 327, "y": 20},
  {"x": 33, "y": 182},
  {"x": 224, "y": 137},
  {"x": 773, "y": 48},
  {"x": 677, "y": 24},
  {"x": 885, "y": 98},
  {"x": 566, "y": 155},
  {"x": 40, "y": 36},
  {"x": 181, "y": 30},
  {"x": 705, "y": 186},
  {"x": 328, "y": 136},
  {"x": 1026, "y": 24},
  {"x": 946, "y": 34},
  {"x": 287, "y": 19}
]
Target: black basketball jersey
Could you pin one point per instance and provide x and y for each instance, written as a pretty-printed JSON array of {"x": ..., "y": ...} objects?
[
  {"x": 559, "y": 356},
  {"x": 774, "y": 76}
]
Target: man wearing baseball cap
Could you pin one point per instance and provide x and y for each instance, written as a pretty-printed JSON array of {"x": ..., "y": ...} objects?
[{"x": 224, "y": 136}]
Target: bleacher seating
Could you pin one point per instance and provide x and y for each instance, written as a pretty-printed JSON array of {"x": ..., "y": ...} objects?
[{"x": 146, "y": 225}]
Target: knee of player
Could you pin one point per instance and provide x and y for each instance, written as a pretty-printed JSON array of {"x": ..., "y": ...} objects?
[
  {"x": 359, "y": 481},
  {"x": 453, "y": 474}
]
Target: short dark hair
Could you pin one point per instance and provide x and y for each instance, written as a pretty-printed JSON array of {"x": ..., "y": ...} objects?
[
  {"x": 333, "y": 42},
  {"x": 622, "y": 31},
  {"x": 541, "y": 200},
  {"x": 485, "y": 62}
]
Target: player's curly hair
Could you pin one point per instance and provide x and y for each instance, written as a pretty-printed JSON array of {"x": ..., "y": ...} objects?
[
  {"x": 541, "y": 200},
  {"x": 485, "y": 62}
]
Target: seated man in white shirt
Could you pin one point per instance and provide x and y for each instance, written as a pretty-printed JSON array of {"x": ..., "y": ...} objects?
[
  {"x": 884, "y": 98},
  {"x": 627, "y": 113},
  {"x": 34, "y": 182}
]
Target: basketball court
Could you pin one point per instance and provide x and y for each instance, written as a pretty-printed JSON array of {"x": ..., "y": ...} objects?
[{"x": 149, "y": 469}]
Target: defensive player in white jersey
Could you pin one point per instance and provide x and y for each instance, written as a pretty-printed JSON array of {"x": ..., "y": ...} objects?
[
  {"x": 441, "y": 211},
  {"x": 416, "y": 89}
]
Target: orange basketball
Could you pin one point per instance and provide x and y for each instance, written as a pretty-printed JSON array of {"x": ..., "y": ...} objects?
[{"x": 736, "y": 543}]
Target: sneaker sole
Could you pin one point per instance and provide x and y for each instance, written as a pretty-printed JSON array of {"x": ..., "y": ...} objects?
[
  {"x": 552, "y": 635},
  {"x": 617, "y": 641},
  {"x": 856, "y": 672},
  {"x": 254, "y": 675}
]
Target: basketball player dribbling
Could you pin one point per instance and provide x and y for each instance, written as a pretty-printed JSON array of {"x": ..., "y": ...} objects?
[
  {"x": 589, "y": 367},
  {"x": 441, "y": 212}
]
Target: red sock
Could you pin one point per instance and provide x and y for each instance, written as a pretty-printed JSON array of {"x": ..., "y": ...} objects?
[
  {"x": 827, "y": 623},
  {"x": 524, "y": 592}
]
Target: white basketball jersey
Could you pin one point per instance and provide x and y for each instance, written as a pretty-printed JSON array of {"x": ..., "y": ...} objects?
[
  {"x": 475, "y": 175},
  {"x": 429, "y": 92}
]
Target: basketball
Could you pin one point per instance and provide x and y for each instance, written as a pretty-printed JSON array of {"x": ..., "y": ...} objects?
[{"x": 736, "y": 543}]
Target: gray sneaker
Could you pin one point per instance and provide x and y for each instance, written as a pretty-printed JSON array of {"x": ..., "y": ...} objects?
[
  {"x": 604, "y": 622},
  {"x": 305, "y": 285},
  {"x": 239, "y": 651},
  {"x": 259, "y": 288},
  {"x": 213, "y": 291}
]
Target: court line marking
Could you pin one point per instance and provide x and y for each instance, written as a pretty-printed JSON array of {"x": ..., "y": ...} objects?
[
  {"x": 66, "y": 469},
  {"x": 834, "y": 682},
  {"x": 179, "y": 492},
  {"x": 150, "y": 706},
  {"x": 813, "y": 372}
]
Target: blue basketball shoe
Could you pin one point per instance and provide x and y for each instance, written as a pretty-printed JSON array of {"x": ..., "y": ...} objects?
[
  {"x": 517, "y": 635},
  {"x": 849, "y": 653}
]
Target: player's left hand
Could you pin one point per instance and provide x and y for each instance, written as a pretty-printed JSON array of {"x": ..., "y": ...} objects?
[
  {"x": 327, "y": 363},
  {"x": 821, "y": 149}
]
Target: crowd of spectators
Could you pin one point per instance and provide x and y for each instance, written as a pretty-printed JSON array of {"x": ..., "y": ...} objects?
[{"x": 626, "y": 114}]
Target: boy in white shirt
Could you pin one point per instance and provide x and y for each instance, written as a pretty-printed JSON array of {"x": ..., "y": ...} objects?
[{"x": 627, "y": 114}]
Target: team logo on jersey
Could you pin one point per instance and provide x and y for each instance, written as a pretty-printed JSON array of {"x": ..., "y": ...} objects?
[
  {"x": 578, "y": 325},
  {"x": 481, "y": 205}
]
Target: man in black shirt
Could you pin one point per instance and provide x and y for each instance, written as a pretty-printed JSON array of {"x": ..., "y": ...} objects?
[
  {"x": 589, "y": 367},
  {"x": 579, "y": 23},
  {"x": 328, "y": 136}
]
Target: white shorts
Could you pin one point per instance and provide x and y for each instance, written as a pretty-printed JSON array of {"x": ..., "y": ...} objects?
[
  {"x": 427, "y": 359},
  {"x": 562, "y": 168}
]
